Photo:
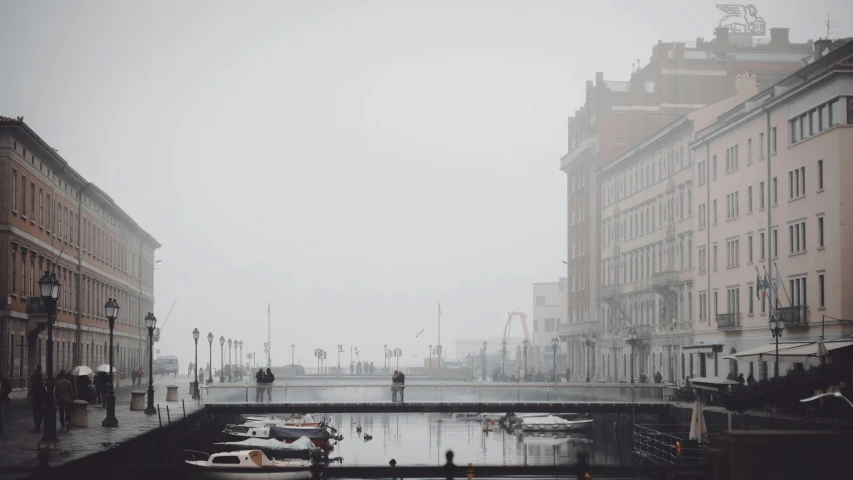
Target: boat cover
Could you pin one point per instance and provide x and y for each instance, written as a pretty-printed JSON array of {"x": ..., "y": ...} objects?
[
  {"x": 288, "y": 433},
  {"x": 272, "y": 445}
]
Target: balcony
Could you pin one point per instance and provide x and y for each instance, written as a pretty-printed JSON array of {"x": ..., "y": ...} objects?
[
  {"x": 577, "y": 328},
  {"x": 611, "y": 291},
  {"x": 728, "y": 321},
  {"x": 796, "y": 316},
  {"x": 664, "y": 278}
]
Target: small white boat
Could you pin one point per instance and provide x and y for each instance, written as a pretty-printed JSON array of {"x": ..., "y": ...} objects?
[
  {"x": 486, "y": 417},
  {"x": 245, "y": 464},
  {"x": 553, "y": 423}
]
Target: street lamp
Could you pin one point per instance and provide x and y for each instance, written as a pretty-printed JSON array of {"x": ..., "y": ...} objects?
[
  {"x": 49, "y": 288},
  {"x": 195, "y": 364},
  {"x": 292, "y": 353},
  {"x": 632, "y": 339},
  {"x": 111, "y": 308},
  {"x": 555, "y": 343},
  {"x": 485, "y": 375},
  {"x": 210, "y": 361},
  {"x": 385, "y": 346},
  {"x": 230, "y": 366},
  {"x": 150, "y": 322},
  {"x": 588, "y": 341},
  {"x": 241, "y": 359},
  {"x": 777, "y": 324},
  {"x": 221, "y": 359},
  {"x": 526, "y": 346},
  {"x": 503, "y": 359}
]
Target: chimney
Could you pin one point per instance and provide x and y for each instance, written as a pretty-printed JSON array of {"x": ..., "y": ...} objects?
[
  {"x": 779, "y": 37},
  {"x": 721, "y": 35},
  {"x": 820, "y": 45}
]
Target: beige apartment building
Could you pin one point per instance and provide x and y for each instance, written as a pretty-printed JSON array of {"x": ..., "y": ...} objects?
[
  {"x": 549, "y": 312},
  {"x": 772, "y": 195},
  {"x": 648, "y": 220}
]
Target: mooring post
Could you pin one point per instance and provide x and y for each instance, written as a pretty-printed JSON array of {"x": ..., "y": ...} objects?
[
  {"x": 184, "y": 406},
  {"x": 159, "y": 417},
  {"x": 168, "y": 415}
]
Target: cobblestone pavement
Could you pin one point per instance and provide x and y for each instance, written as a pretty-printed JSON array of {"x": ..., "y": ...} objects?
[{"x": 19, "y": 442}]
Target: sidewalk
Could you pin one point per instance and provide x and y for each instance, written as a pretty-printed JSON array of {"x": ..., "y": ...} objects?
[{"x": 19, "y": 442}]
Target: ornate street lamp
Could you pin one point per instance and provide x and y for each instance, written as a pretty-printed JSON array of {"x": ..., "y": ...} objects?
[
  {"x": 555, "y": 344},
  {"x": 241, "y": 359},
  {"x": 221, "y": 359},
  {"x": 385, "y": 346},
  {"x": 526, "y": 346},
  {"x": 588, "y": 342},
  {"x": 195, "y": 365},
  {"x": 111, "y": 308},
  {"x": 49, "y": 288},
  {"x": 150, "y": 322},
  {"x": 632, "y": 339},
  {"x": 503, "y": 359},
  {"x": 777, "y": 324},
  {"x": 230, "y": 365},
  {"x": 210, "y": 362}
]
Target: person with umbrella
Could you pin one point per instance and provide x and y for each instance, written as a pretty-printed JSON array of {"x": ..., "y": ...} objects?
[
  {"x": 82, "y": 381},
  {"x": 102, "y": 383},
  {"x": 64, "y": 398}
]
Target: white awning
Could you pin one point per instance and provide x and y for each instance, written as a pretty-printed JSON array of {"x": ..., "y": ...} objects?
[
  {"x": 796, "y": 352},
  {"x": 753, "y": 353}
]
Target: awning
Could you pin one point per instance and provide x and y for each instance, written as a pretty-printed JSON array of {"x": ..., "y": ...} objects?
[
  {"x": 703, "y": 348},
  {"x": 791, "y": 352},
  {"x": 763, "y": 350}
]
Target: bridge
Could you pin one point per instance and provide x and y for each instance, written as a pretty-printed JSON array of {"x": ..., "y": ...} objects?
[{"x": 307, "y": 396}]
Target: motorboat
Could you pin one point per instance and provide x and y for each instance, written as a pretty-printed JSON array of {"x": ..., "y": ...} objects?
[
  {"x": 245, "y": 464},
  {"x": 319, "y": 436},
  {"x": 553, "y": 423},
  {"x": 487, "y": 417},
  {"x": 307, "y": 420},
  {"x": 302, "y": 448}
]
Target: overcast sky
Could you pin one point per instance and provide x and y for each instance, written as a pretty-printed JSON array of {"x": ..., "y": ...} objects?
[{"x": 353, "y": 163}]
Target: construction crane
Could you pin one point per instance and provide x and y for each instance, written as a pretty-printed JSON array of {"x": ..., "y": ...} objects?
[{"x": 523, "y": 325}]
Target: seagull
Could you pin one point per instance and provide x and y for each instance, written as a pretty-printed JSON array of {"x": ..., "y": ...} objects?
[
  {"x": 828, "y": 394},
  {"x": 419, "y": 333}
]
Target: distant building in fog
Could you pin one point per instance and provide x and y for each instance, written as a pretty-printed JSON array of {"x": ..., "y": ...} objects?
[{"x": 550, "y": 306}]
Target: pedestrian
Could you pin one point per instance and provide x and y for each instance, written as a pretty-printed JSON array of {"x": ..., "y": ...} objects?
[
  {"x": 740, "y": 378},
  {"x": 83, "y": 383},
  {"x": 64, "y": 399},
  {"x": 5, "y": 390},
  {"x": 402, "y": 380},
  {"x": 133, "y": 377},
  {"x": 394, "y": 387},
  {"x": 102, "y": 381},
  {"x": 140, "y": 374},
  {"x": 750, "y": 380},
  {"x": 39, "y": 395},
  {"x": 260, "y": 379},
  {"x": 351, "y": 369},
  {"x": 658, "y": 377},
  {"x": 269, "y": 378}
]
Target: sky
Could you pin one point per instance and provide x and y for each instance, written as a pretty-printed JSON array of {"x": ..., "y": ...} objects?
[{"x": 351, "y": 164}]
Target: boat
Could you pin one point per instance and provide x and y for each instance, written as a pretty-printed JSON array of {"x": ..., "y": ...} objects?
[
  {"x": 318, "y": 436},
  {"x": 487, "y": 417},
  {"x": 553, "y": 423},
  {"x": 302, "y": 448},
  {"x": 244, "y": 464},
  {"x": 307, "y": 420}
]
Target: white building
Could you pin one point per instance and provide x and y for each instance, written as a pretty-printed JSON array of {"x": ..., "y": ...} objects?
[{"x": 550, "y": 310}]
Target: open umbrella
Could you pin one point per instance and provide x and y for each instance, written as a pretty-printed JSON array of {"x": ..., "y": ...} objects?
[
  {"x": 81, "y": 371},
  {"x": 105, "y": 368}
]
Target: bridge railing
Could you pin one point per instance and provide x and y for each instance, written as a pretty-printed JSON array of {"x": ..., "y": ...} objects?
[{"x": 431, "y": 392}]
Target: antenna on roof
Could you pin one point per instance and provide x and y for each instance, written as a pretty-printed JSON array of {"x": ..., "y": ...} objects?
[{"x": 830, "y": 25}]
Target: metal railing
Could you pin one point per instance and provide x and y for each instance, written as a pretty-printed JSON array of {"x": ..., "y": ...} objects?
[
  {"x": 609, "y": 291},
  {"x": 331, "y": 393},
  {"x": 577, "y": 328},
  {"x": 664, "y": 278},
  {"x": 794, "y": 316},
  {"x": 668, "y": 447},
  {"x": 728, "y": 320}
]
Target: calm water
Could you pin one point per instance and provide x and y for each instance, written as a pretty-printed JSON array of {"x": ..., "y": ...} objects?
[{"x": 423, "y": 439}]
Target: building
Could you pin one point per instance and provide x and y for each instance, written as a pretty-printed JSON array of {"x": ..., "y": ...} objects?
[
  {"x": 549, "y": 312},
  {"x": 647, "y": 226},
  {"x": 617, "y": 115},
  {"x": 53, "y": 219},
  {"x": 780, "y": 212}
]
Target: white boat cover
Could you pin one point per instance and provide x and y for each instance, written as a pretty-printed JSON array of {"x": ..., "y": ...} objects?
[{"x": 273, "y": 445}]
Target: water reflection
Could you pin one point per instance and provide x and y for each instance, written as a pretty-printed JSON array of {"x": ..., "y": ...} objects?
[{"x": 423, "y": 439}]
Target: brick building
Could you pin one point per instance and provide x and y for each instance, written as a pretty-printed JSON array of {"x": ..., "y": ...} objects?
[
  {"x": 51, "y": 218},
  {"x": 617, "y": 115}
]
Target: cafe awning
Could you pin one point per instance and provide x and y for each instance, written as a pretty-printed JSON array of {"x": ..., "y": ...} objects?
[
  {"x": 790, "y": 352},
  {"x": 703, "y": 348},
  {"x": 753, "y": 353}
]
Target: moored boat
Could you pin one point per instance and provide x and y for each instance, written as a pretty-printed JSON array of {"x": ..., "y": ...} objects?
[
  {"x": 245, "y": 464},
  {"x": 553, "y": 423},
  {"x": 318, "y": 436}
]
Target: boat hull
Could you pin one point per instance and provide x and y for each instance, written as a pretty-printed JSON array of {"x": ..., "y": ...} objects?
[{"x": 567, "y": 426}]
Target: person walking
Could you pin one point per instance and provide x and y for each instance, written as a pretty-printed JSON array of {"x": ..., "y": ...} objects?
[
  {"x": 133, "y": 378},
  {"x": 64, "y": 399},
  {"x": 102, "y": 383},
  {"x": 140, "y": 374},
  {"x": 39, "y": 395},
  {"x": 394, "y": 387},
  {"x": 5, "y": 390},
  {"x": 269, "y": 378},
  {"x": 260, "y": 379}
]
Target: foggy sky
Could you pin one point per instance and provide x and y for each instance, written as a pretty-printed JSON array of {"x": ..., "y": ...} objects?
[{"x": 351, "y": 162}]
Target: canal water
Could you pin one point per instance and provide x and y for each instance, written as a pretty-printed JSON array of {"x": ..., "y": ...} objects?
[{"x": 423, "y": 439}]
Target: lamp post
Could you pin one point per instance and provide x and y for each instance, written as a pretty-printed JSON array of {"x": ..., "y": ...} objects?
[
  {"x": 210, "y": 362},
  {"x": 777, "y": 324},
  {"x": 292, "y": 353},
  {"x": 195, "y": 364},
  {"x": 150, "y": 322},
  {"x": 555, "y": 343},
  {"x": 588, "y": 341},
  {"x": 525, "y": 347},
  {"x": 241, "y": 359},
  {"x": 340, "y": 349},
  {"x": 632, "y": 339},
  {"x": 385, "y": 346},
  {"x": 230, "y": 366},
  {"x": 485, "y": 375},
  {"x": 221, "y": 359},
  {"x": 111, "y": 308},
  {"x": 49, "y": 288}
]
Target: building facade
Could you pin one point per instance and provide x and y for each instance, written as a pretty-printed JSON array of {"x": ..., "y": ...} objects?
[
  {"x": 618, "y": 115},
  {"x": 53, "y": 219},
  {"x": 549, "y": 313},
  {"x": 779, "y": 211}
]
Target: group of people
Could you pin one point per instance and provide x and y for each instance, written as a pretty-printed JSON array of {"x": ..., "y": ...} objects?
[
  {"x": 137, "y": 376},
  {"x": 361, "y": 368},
  {"x": 264, "y": 382},
  {"x": 66, "y": 389},
  {"x": 398, "y": 380}
]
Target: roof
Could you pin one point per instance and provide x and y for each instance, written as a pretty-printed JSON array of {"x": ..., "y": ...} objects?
[{"x": 83, "y": 184}]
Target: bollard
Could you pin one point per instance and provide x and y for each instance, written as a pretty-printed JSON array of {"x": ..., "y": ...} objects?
[
  {"x": 159, "y": 417},
  {"x": 247, "y": 393},
  {"x": 184, "y": 406},
  {"x": 168, "y": 415}
]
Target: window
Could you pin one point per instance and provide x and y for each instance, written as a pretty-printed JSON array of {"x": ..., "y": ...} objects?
[
  {"x": 23, "y": 273},
  {"x": 690, "y": 202},
  {"x": 33, "y": 202},
  {"x": 732, "y": 253},
  {"x": 773, "y": 192},
  {"x": 702, "y": 216},
  {"x": 749, "y": 151},
  {"x": 798, "y": 291},
  {"x": 41, "y": 207},
  {"x": 834, "y": 112},
  {"x": 14, "y": 190},
  {"x": 761, "y": 195},
  {"x": 702, "y": 260},
  {"x": 714, "y": 166},
  {"x": 14, "y": 268},
  {"x": 731, "y": 159},
  {"x": 824, "y": 117},
  {"x": 49, "y": 213},
  {"x": 702, "y": 173},
  {"x": 703, "y": 300},
  {"x": 59, "y": 221},
  {"x": 797, "y": 183},
  {"x": 733, "y": 300},
  {"x": 775, "y": 243},
  {"x": 732, "y": 209},
  {"x": 797, "y": 237},
  {"x": 773, "y": 140},
  {"x": 549, "y": 324},
  {"x": 761, "y": 145},
  {"x": 23, "y": 195},
  {"x": 716, "y": 302},
  {"x": 749, "y": 199},
  {"x": 761, "y": 245},
  {"x": 715, "y": 211},
  {"x": 819, "y": 232},
  {"x": 795, "y": 130},
  {"x": 715, "y": 258},
  {"x": 820, "y": 289},
  {"x": 820, "y": 172},
  {"x": 749, "y": 248},
  {"x": 751, "y": 304}
]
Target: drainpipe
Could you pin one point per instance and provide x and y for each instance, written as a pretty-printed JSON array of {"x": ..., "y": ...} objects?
[
  {"x": 770, "y": 251},
  {"x": 78, "y": 290}
]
